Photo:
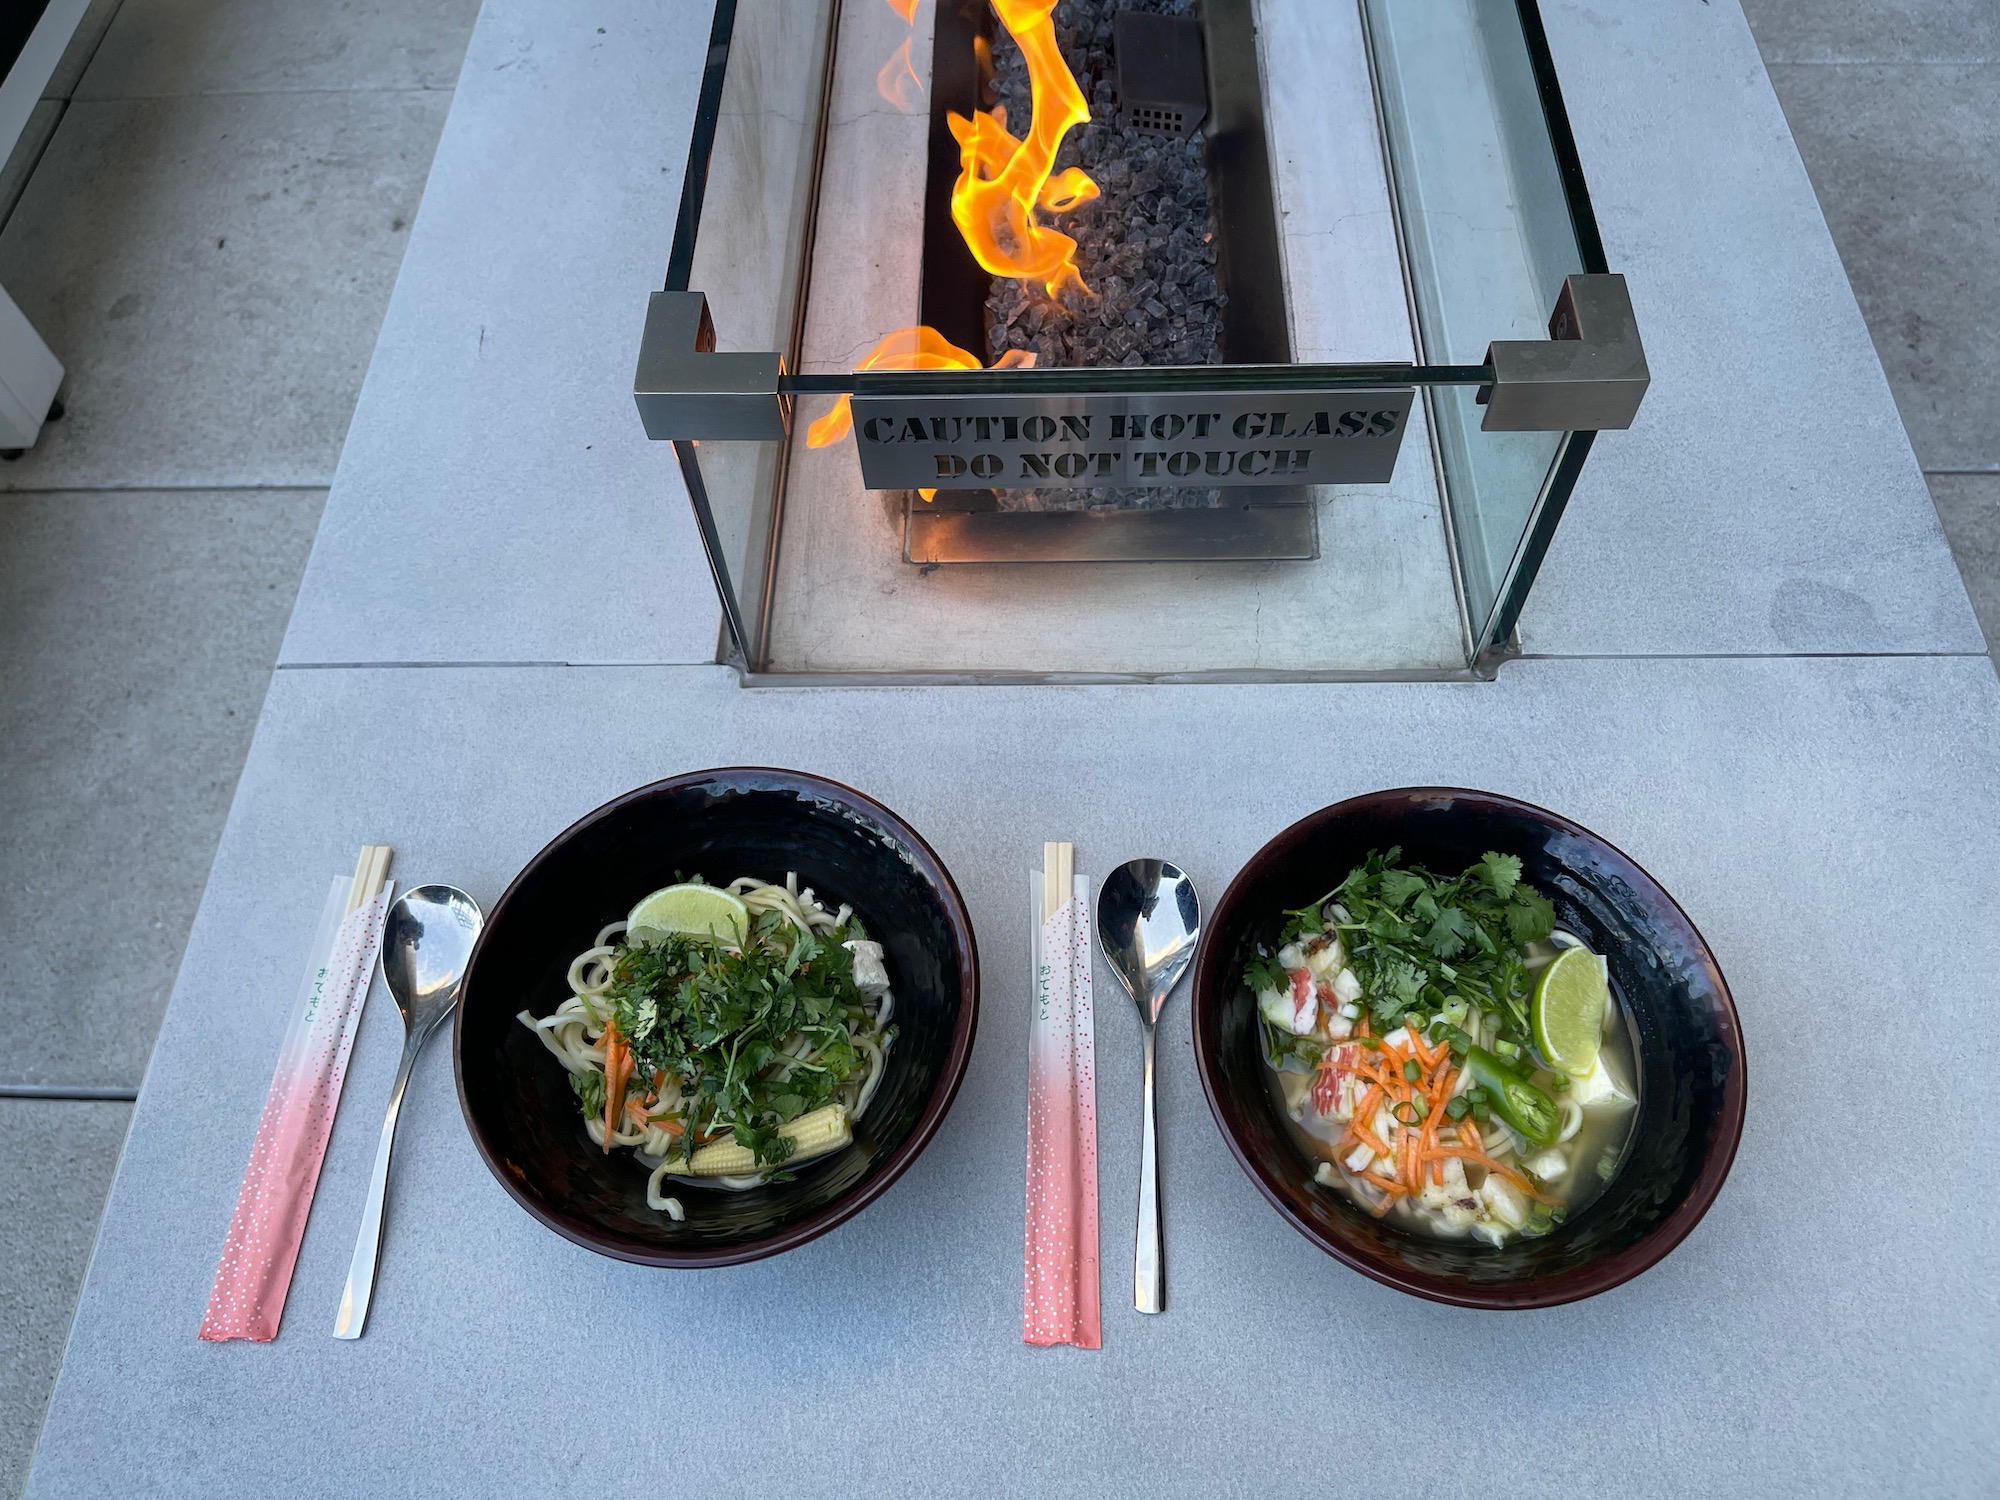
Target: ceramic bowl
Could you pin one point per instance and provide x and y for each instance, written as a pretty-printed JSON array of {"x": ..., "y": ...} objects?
[
  {"x": 1690, "y": 1047},
  {"x": 719, "y": 824}
]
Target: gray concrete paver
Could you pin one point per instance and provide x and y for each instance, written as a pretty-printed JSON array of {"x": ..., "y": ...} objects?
[
  {"x": 139, "y": 632},
  {"x": 165, "y": 47},
  {"x": 1906, "y": 161},
  {"x": 1819, "y": 31},
  {"x": 56, "y": 1161},
  {"x": 1969, "y": 507},
  {"x": 212, "y": 272}
]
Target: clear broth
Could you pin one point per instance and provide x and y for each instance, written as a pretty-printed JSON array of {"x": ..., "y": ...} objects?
[{"x": 1596, "y": 1152}]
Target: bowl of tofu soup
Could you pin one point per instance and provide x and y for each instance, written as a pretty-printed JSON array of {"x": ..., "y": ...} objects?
[{"x": 1468, "y": 1047}]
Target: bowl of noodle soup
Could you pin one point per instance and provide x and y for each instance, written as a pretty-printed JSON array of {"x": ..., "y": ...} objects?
[
  {"x": 1681, "y": 1055},
  {"x": 811, "y": 860}
]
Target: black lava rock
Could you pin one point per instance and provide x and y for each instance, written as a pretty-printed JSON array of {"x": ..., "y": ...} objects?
[{"x": 1145, "y": 246}]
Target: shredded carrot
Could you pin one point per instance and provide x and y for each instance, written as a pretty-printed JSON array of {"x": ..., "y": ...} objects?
[
  {"x": 1418, "y": 1050},
  {"x": 1367, "y": 1137},
  {"x": 617, "y": 1070},
  {"x": 1365, "y": 1110}
]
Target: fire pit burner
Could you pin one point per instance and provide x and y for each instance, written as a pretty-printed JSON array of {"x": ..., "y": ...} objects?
[
  {"x": 1152, "y": 254},
  {"x": 1288, "y": 360}
]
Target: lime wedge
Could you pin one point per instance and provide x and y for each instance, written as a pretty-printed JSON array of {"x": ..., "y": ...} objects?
[
  {"x": 1568, "y": 1012},
  {"x": 693, "y": 910}
]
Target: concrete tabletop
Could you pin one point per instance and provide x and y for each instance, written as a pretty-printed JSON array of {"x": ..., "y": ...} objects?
[
  {"x": 1760, "y": 679},
  {"x": 1828, "y": 1327}
]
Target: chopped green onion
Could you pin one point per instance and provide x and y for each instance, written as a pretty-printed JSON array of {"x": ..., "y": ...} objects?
[
  {"x": 1560, "y": 1083},
  {"x": 1411, "y": 1071},
  {"x": 1506, "y": 1048},
  {"x": 1410, "y": 1119},
  {"x": 1557, "y": 1214},
  {"x": 1482, "y": 1114},
  {"x": 1457, "y": 1109},
  {"x": 1477, "y": 1094}
]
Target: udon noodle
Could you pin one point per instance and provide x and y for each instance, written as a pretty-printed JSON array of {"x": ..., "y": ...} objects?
[{"x": 726, "y": 1059}]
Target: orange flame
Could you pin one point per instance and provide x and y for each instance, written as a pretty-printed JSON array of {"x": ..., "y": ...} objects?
[
  {"x": 898, "y": 82},
  {"x": 1003, "y": 181},
  {"x": 918, "y": 348}
]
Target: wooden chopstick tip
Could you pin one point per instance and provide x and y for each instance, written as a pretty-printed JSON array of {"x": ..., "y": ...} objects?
[{"x": 371, "y": 867}]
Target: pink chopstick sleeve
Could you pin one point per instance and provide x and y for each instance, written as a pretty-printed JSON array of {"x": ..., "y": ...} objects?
[
  {"x": 262, "y": 1246},
  {"x": 1060, "y": 1303}
]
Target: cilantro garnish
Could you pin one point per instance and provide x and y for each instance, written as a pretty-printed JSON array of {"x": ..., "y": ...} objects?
[
  {"x": 1418, "y": 941},
  {"x": 754, "y": 1039}
]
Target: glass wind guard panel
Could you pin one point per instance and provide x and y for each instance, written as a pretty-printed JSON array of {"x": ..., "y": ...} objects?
[
  {"x": 1489, "y": 239},
  {"x": 750, "y": 261},
  {"x": 1276, "y": 236}
]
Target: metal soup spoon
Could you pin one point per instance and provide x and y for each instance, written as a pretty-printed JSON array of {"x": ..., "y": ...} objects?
[
  {"x": 1148, "y": 919},
  {"x": 426, "y": 943}
]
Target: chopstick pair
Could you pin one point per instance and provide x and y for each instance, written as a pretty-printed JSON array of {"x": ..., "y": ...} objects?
[
  {"x": 254, "y": 1275},
  {"x": 1060, "y": 1296},
  {"x": 369, "y": 872}
]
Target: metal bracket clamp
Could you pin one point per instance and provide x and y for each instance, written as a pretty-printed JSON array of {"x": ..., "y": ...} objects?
[
  {"x": 684, "y": 389},
  {"x": 1589, "y": 377}
]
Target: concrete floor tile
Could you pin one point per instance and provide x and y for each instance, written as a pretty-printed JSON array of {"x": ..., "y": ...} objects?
[
  {"x": 1906, "y": 162},
  {"x": 56, "y": 1161},
  {"x": 1969, "y": 507},
  {"x": 1801, "y": 31},
  {"x": 165, "y": 47},
  {"x": 137, "y": 633},
  {"x": 213, "y": 273},
  {"x": 82, "y": 48},
  {"x": 35, "y": 135}
]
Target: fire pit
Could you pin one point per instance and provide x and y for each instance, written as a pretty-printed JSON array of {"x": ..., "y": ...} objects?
[{"x": 1131, "y": 338}]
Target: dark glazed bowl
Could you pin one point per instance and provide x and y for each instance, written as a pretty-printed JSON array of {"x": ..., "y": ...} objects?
[
  {"x": 719, "y": 824},
  {"x": 1690, "y": 1047}
]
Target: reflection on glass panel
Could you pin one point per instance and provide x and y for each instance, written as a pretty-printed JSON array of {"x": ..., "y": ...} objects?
[
  {"x": 1488, "y": 237},
  {"x": 749, "y": 257}
]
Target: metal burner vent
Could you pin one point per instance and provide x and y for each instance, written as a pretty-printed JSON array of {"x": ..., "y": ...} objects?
[{"x": 1162, "y": 83}]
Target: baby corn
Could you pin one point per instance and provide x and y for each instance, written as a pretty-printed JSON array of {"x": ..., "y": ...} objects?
[{"x": 812, "y": 1135}]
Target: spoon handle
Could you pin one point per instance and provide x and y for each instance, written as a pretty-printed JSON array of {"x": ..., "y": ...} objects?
[
  {"x": 368, "y": 1244},
  {"x": 1149, "y": 1282}
]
